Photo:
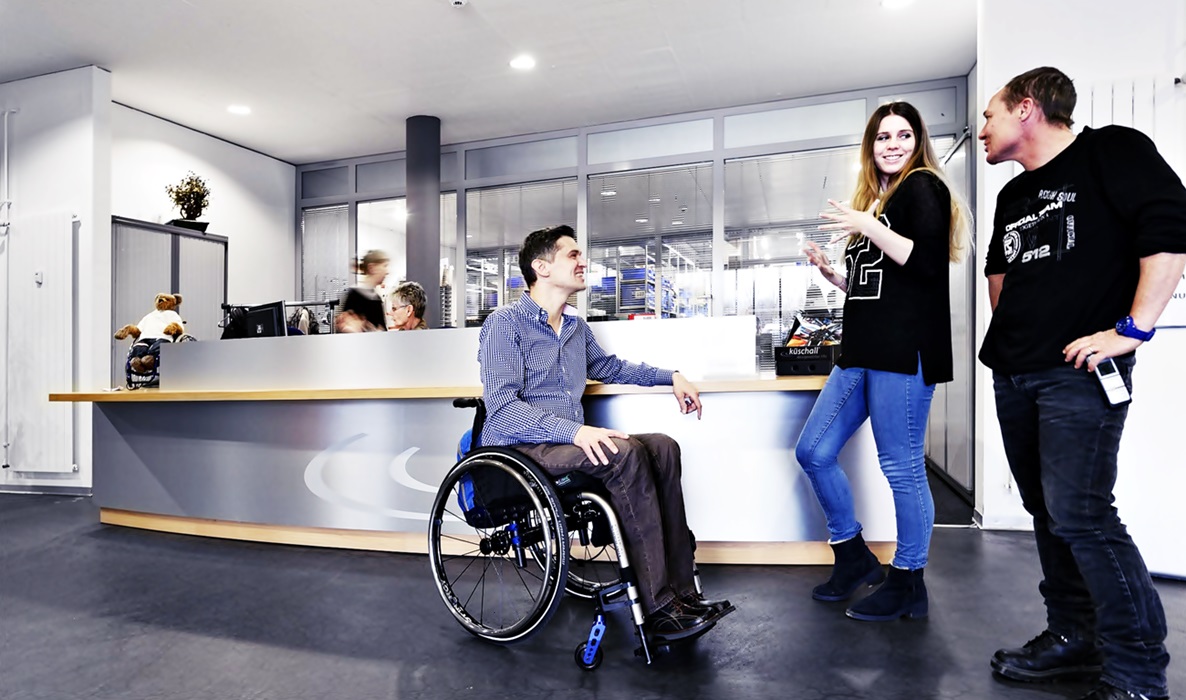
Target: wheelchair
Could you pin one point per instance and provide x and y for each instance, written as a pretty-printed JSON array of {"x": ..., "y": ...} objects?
[{"x": 506, "y": 540}]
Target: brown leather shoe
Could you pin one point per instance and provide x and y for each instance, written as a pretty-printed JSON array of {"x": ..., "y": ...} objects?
[
  {"x": 675, "y": 621},
  {"x": 709, "y": 609}
]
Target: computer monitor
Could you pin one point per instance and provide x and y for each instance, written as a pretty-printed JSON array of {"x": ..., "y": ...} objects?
[{"x": 265, "y": 320}]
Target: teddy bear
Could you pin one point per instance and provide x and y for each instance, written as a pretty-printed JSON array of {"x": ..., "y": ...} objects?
[{"x": 160, "y": 323}]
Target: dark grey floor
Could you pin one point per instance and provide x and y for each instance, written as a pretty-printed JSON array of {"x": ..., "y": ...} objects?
[
  {"x": 951, "y": 507},
  {"x": 89, "y": 611}
]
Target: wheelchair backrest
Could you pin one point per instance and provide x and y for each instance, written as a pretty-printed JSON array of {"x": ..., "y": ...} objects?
[{"x": 490, "y": 497}]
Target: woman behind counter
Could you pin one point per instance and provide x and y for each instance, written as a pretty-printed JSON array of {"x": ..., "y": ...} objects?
[
  {"x": 361, "y": 308},
  {"x": 904, "y": 227}
]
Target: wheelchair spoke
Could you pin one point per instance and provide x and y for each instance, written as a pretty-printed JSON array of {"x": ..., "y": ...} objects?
[
  {"x": 471, "y": 553},
  {"x": 481, "y": 580},
  {"x": 531, "y": 595},
  {"x": 462, "y": 572},
  {"x": 455, "y": 538}
]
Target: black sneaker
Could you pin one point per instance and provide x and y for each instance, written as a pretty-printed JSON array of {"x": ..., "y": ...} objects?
[
  {"x": 675, "y": 621},
  {"x": 1103, "y": 691},
  {"x": 1049, "y": 657}
]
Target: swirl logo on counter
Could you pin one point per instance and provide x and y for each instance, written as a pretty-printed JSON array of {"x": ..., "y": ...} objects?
[{"x": 397, "y": 470}]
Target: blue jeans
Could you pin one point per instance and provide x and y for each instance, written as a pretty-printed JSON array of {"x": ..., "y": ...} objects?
[
  {"x": 897, "y": 405},
  {"x": 1061, "y": 439}
]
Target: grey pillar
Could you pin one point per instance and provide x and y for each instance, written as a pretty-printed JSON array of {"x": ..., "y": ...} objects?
[{"x": 424, "y": 210}]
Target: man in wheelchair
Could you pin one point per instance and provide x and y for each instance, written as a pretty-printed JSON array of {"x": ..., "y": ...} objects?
[{"x": 535, "y": 360}]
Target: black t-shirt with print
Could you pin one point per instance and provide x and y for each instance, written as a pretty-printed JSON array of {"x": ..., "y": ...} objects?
[
  {"x": 896, "y": 315},
  {"x": 1069, "y": 236}
]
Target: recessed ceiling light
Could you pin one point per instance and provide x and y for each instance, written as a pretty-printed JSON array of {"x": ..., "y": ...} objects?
[
  {"x": 640, "y": 221},
  {"x": 608, "y": 193},
  {"x": 654, "y": 200},
  {"x": 895, "y": 4},
  {"x": 523, "y": 62},
  {"x": 241, "y": 110},
  {"x": 677, "y": 222}
]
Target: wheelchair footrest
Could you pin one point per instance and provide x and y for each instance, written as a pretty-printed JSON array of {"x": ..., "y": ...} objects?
[{"x": 613, "y": 597}]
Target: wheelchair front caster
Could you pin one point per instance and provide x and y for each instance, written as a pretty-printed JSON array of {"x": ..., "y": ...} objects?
[{"x": 592, "y": 664}]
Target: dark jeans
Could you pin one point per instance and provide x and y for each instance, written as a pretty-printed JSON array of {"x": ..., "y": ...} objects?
[
  {"x": 1061, "y": 439},
  {"x": 644, "y": 486}
]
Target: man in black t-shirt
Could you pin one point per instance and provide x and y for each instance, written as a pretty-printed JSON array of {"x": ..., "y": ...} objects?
[{"x": 1088, "y": 245}]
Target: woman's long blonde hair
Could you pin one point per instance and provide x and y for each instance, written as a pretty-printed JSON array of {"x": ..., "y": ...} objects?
[{"x": 923, "y": 158}]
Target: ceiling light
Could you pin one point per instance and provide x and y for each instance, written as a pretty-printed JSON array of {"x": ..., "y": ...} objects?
[
  {"x": 608, "y": 193},
  {"x": 640, "y": 221},
  {"x": 241, "y": 110},
  {"x": 523, "y": 62},
  {"x": 654, "y": 200},
  {"x": 677, "y": 222},
  {"x": 895, "y": 4}
]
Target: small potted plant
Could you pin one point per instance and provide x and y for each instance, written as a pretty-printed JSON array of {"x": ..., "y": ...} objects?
[{"x": 191, "y": 196}]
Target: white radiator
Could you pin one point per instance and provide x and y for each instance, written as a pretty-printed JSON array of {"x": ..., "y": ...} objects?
[
  {"x": 39, "y": 347},
  {"x": 1157, "y": 107}
]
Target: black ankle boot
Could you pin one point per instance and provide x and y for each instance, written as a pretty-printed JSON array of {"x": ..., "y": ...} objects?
[
  {"x": 902, "y": 595},
  {"x": 855, "y": 565}
]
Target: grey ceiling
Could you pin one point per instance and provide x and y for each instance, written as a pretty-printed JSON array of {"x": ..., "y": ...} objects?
[{"x": 331, "y": 80}]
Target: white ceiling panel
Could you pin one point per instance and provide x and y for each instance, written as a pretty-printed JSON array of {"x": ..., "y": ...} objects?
[{"x": 330, "y": 80}]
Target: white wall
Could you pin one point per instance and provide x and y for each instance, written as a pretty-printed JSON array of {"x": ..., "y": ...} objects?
[
  {"x": 76, "y": 153},
  {"x": 1098, "y": 42},
  {"x": 60, "y": 147},
  {"x": 252, "y": 198}
]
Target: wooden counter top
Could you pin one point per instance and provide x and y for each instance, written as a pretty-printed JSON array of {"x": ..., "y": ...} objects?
[{"x": 805, "y": 383}]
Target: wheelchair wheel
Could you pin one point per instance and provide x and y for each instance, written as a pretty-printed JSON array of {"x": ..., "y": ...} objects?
[
  {"x": 592, "y": 566},
  {"x": 579, "y": 657},
  {"x": 497, "y": 545}
]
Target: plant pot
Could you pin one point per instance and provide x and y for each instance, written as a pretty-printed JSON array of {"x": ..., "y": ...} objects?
[{"x": 190, "y": 224}]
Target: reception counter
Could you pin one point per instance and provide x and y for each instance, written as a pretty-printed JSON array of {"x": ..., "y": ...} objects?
[{"x": 358, "y": 467}]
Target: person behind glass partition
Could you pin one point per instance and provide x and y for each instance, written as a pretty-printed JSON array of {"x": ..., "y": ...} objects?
[
  {"x": 903, "y": 227},
  {"x": 361, "y": 308},
  {"x": 408, "y": 304}
]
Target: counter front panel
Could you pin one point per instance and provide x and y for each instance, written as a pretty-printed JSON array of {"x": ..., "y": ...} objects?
[{"x": 376, "y": 465}]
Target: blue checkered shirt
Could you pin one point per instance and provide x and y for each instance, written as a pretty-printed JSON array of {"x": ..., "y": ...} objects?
[{"x": 533, "y": 379}]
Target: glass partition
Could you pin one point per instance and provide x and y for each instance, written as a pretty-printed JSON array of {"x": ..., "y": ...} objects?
[
  {"x": 772, "y": 206},
  {"x": 650, "y": 243},
  {"x": 383, "y": 225},
  {"x": 449, "y": 259},
  {"x": 497, "y": 221}
]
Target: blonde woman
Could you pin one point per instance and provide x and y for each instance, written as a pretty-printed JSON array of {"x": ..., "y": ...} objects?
[{"x": 903, "y": 227}]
